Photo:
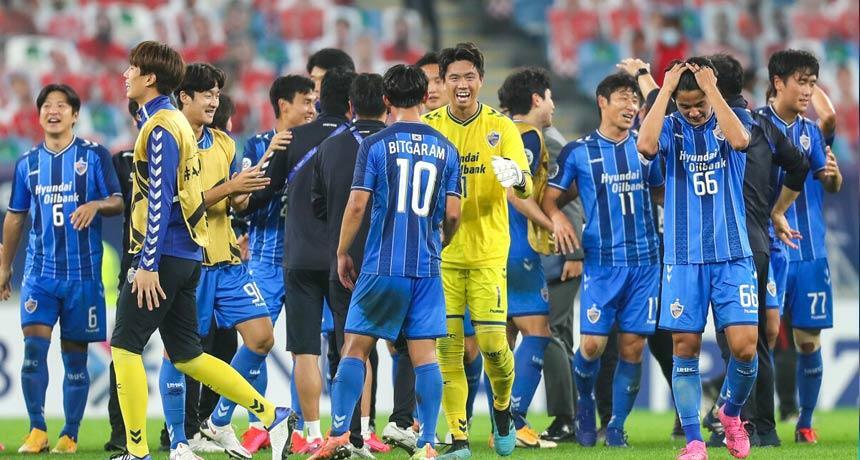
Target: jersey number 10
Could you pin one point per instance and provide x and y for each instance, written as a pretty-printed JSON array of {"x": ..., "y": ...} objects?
[{"x": 420, "y": 207}]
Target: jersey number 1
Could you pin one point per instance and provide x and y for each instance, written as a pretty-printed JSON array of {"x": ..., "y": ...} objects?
[{"x": 420, "y": 207}]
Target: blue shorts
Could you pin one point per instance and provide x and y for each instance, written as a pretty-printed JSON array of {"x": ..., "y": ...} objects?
[
  {"x": 327, "y": 325},
  {"x": 730, "y": 287},
  {"x": 468, "y": 327},
  {"x": 626, "y": 295},
  {"x": 808, "y": 294},
  {"x": 779, "y": 268},
  {"x": 383, "y": 305},
  {"x": 79, "y": 306},
  {"x": 527, "y": 291},
  {"x": 230, "y": 295},
  {"x": 772, "y": 296},
  {"x": 270, "y": 280}
]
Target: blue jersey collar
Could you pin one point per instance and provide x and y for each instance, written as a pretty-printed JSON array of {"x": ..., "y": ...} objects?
[
  {"x": 152, "y": 107},
  {"x": 206, "y": 140},
  {"x": 613, "y": 142},
  {"x": 783, "y": 122}
]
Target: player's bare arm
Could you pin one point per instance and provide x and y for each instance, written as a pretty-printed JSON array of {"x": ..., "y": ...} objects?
[
  {"x": 830, "y": 176},
  {"x": 824, "y": 109},
  {"x": 781, "y": 227},
  {"x": 84, "y": 214},
  {"x": 352, "y": 216},
  {"x": 531, "y": 209},
  {"x": 565, "y": 237},
  {"x": 13, "y": 226},
  {"x": 736, "y": 135},
  {"x": 452, "y": 219},
  {"x": 245, "y": 182},
  {"x": 641, "y": 71},
  {"x": 649, "y": 132}
]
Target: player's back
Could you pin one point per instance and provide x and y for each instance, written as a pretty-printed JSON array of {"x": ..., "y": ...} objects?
[{"x": 409, "y": 168}]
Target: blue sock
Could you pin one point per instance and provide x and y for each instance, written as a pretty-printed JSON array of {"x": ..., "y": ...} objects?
[
  {"x": 474, "y": 370},
  {"x": 295, "y": 402},
  {"x": 346, "y": 391},
  {"x": 528, "y": 367},
  {"x": 247, "y": 364},
  {"x": 584, "y": 376},
  {"x": 740, "y": 376},
  {"x": 428, "y": 398},
  {"x": 76, "y": 386},
  {"x": 721, "y": 399},
  {"x": 625, "y": 387},
  {"x": 260, "y": 384},
  {"x": 171, "y": 383},
  {"x": 687, "y": 392},
  {"x": 34, "y": 379},
  {"x": 809, "y": 371}
]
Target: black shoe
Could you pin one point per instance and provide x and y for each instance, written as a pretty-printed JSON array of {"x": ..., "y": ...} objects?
[
  {"x": 115, "y": 445},
  {"x": 711, "y": 422},
  {"x": 560, "y": 430},
  {"x": 716, "y": 440},
  {"x": 769, "y": 439},
  {"x": 755, "y": 440},
  {"x": 164, "y": 441}
]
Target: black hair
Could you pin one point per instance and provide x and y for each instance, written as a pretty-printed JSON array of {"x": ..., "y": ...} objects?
[
  {"x": 365, "y": 93},
  {"x": 286, "y": 88},
  {"x": 158, "y": 59},
  {"x": 462, "y": 52},
  {"x": 429, "y": 58},
  {"x": 133, "y": 107},
  {"x": 688, "y": 82},
  {"x": 731, "y": 72},
  {"x": 405, "y": 86},
  {"x": 71, "y": 96},
  {"x": 785, "y": 63},
  {"x": 199, "y": 77},
  {"x": 329, "y": 58},
  {"x": 515, "y": 94},
  {"x": 618, "y": 81},
  {"x": 334, "y": 91},
  {"x": 225, "y": 110}
]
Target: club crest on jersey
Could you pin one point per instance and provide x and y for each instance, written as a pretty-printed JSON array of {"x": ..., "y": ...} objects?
[
  {"x": 718, "y": 133},
  {"x": 530, "y": 156},
  {"x": 676, "y": 309},
  {"x": 593, "y": 314},
  {"x": 804, "y": 141},
  {"x": 493, "y": 138},
  {"x": 771, "y": 288},
  {"x": 544, "y": 294},
  {"x": 246, "y": 163},
  {"x": 81, "y": 167},
  {"x": 30, "y": 305},
  {"x": 129, "y": 276},
  {"x": 553, "y": 171}
]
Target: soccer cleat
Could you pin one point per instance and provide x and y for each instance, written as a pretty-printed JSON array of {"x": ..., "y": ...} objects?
[
  {"x": 425, "y": 453},
  {"x": 128, "y": 456},
  {"x": 560, "y": 430},
  {"x": 695, "y": 450},
  {"x": 403, "y": 438},
  {"x": 716, "y": 440},
  {"x": 36, "y": 442},
  {"x": 459, "y": 450},
  {"x": 363, "y": 452},
  {"x": 281, "y": 432},
  {"x": 527, "y": 438},
  {"x": 615, "y": 438},
  {"x": 677, "y": 431},
  {"x": 297, "y": 442},
  {"x": 769, "y": 439},
  {"x": 311, "y": 446},
  {"x": 376, "y": 445},
  {"x": 203, "y": 445},
  {"x": 504, "y": 440},
  {"x": 254, "y": 439},
  {"x": 65, "y": 445},
  {"x": 334, "y": 448},
  {"x": 586, "y": 426},
  {"x": 737, "y": 438},
  {"x": 805, "y": 436},
  {"x": 711, "y": 421},
  {"x": 183, "y": 452},
  {"x": 224, "y": 437}
]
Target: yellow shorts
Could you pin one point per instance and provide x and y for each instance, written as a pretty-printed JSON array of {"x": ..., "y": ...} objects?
[{"x": 483, "y": 290}]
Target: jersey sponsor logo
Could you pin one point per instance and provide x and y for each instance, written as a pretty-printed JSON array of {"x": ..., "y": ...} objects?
[
  {"x": 31, "y": 305},
  {"x": 493, "y": 138},
  {"x": 81, "y": 167},
  {"x": 593, "y": 314},
  {"x": 805, "y": 142},
  {"x": 771, "y": 288},
  {"x": 676, "y": 309}
]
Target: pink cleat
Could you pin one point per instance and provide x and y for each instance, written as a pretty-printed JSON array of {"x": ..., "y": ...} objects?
[
  {"x": 695, "y": 450},
  {"x": 737, "y": 439},
  {"x": 376, "y": 445}
]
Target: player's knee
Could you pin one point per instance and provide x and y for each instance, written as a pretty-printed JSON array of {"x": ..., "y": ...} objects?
[
  {"x": 807, "y": 341},
  {"x": 632, "y": 351},
  {"x": 493, "y": 345},
  {"x": 263, "y": 345},
  {"x": 592, "y": 347},
  {"x": 746, "y": 353}
]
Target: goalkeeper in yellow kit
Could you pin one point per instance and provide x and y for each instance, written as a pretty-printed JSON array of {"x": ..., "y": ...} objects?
[{"x": 492, "y": 159}]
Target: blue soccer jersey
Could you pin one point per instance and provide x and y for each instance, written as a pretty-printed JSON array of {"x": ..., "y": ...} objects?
[
  {"x": 614, "y": 187},
  {"x": 518, "y": 223},
  {"x": 265, "y": 226},
  {"x": 409, "y": 168},
  {"x": 705, "y": 219},
  {"x": 50, "y": 186},
  {"x": 806, "y": 214}
]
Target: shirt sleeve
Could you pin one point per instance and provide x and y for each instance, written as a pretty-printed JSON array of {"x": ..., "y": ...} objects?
[
  {"x": 162, "y": 154},
  {"x": 250, "y": 155},
  {"x": 107, "y": 180},
  {"x": 364, "y": 177},
  {"x": 453, "y": 184},
  {"x": 318, "y": 188},
  {"x": 19, "y": 201},
  {"x": 512, "y": 146},
  {"x": 276, "y": 169},
  {"x": 564, "y": 174},
  {"x": 532, "y": 148},
  {"x": 655, "y": 174},
  {"x": 817, "y": 155}
]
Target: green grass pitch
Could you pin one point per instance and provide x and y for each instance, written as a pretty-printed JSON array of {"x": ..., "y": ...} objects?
[{"x": 648, "y": 432}]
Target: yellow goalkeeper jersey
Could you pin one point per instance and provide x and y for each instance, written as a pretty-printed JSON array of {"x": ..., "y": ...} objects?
[{"x": 483, "y": 238}]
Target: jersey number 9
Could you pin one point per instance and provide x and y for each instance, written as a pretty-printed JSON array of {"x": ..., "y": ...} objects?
[{"x": 420, "y": 207}]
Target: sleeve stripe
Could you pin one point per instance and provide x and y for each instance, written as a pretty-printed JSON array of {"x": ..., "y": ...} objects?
[
  {"x": 557, "y": 186},
  {"x": 452, "y": 193},
  {"x": 360, "y": 187}
]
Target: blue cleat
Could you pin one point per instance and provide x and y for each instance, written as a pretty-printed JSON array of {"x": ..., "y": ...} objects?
[
  {"x": 459, "y": 450},
  {"x": 616, "y": 438},
  {"x": 504, "y": 441},
  {"x": 586, "y": 426}
]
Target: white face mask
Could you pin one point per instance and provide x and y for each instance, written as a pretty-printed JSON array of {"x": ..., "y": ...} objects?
[{"x": 670, "y": 36}]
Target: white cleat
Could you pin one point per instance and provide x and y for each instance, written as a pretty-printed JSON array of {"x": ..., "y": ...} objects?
[
  {"x": 183, "y": 452},
  {"x": 361, "y": 453},
  {"x": 225, "y": 437},
  {"x": 403, "y": 438},
  {"x": 281, "y": 432},
  {"x": 203, "y": 445}
]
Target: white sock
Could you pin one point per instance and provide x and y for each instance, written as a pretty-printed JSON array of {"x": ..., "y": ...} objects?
[
  {"x": 313, "y": 430},
  {"x": 258, "y": 425},
  {"x": 365, "y": 427}
]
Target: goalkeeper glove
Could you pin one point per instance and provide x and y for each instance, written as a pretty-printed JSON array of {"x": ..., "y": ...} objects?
[{"x": 507, "y": 172}]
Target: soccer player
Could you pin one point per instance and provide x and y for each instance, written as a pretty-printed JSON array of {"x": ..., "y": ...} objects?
[
  {"x": 292, "y": 99},
  {"x": 66, "y": 184},
  {"x": 436, "y": 95},
  {"x": 527, "y": 96},
  {"x": 806, "y": 278},
  {"x": 622, "y": 263},
  {"x": 413, "y": 175},
  {"x": 707, "y": 254},
  {"x": 324, "y": 60},
  {"x": 168, "y": 227},
  {"x": 306, "y": 261},
  {"x": 473, "y": 265}
]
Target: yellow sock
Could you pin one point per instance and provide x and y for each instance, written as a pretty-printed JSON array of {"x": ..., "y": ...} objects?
[
  {"x": 225, "y": 381},
  {"x": 455, "y": 388},
  {"x": 498, "y": 362},
  {"x": 132, "y": 391}
]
